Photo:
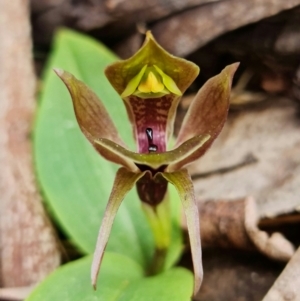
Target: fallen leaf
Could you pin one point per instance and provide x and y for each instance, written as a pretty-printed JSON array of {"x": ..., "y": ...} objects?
[{"x": 286, "y": 287}]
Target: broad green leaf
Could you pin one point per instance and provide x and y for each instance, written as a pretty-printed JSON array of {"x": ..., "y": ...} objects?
[
  {"x": 75, "y": 180},
  {"x": 72, "y": 281},
  {"x": 120, "y": 279},
  {"x": 175, "y": 284}
]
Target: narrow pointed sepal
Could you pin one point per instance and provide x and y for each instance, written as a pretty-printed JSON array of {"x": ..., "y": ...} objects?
[
  {"x": 184, "y": 185},
  {"x": 208, "y": 112},
  {"x": 92, "y": 117},
  {"x": 155, "y": 160},
  {"x": 123, "y": 183}
]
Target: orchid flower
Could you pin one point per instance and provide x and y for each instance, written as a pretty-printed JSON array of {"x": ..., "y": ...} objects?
[{"x": 150, "y": 84}]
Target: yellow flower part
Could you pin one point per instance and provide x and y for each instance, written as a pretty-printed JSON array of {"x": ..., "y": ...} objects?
[{"x": 151, "y": 82}]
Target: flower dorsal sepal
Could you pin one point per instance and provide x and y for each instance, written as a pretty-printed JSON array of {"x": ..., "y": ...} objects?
[{"x": 151, "y": 83}]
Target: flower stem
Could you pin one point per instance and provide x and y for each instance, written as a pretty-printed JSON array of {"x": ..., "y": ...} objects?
[
  {"x": 158, "y": 262},
  {"x": 160, "y": 224}
]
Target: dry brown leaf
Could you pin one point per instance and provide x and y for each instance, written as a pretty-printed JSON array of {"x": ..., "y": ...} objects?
[
  {"x": 275, "y": 246},
  {"x": 235, "y": 224},
  {"x": 232, "y": 275},
  {"x": 256, "y": 154},
  {"x": 287, "y": 285},
  {"x": 15, "y": 293},
  {"x": 205, "y": 23},
  {"x": 120, "y": 15}
]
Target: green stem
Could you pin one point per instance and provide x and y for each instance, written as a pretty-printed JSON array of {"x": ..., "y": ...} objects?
[
  {"x": 160, "y": 223},
  {"x": 158, "y": 262}
]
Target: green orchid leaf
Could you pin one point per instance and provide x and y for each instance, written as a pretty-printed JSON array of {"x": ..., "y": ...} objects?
[
  {"x": 175, "y": 284},
  {"x": 75, "y": 180},
  {"x": 123, "y": 183},
  {"x": 154, "y": 160},
  {"x": 207, "y": 113},
  {"x": 120, "y": 279},
  {"x": 184, "y": 185},
  {"x": 71, "y": 282}
]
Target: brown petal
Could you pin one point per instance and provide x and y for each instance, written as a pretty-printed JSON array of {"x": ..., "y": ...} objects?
[
  {"x": 123, "y": 183},
  {"x": 208, "y": 112},
  {"x": 184, "y": 185},
  {"x": 91, "y": 114}
]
